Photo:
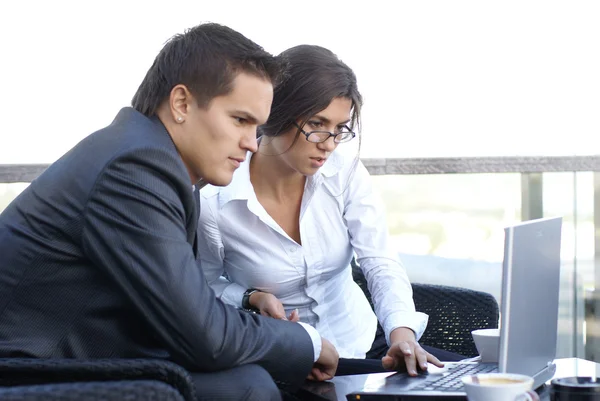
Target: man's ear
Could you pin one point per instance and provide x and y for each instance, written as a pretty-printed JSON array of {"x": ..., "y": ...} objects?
[{"x": 179, "y": 103}]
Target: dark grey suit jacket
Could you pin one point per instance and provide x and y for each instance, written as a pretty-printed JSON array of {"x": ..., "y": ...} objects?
[{"x": 97, "y": 261}]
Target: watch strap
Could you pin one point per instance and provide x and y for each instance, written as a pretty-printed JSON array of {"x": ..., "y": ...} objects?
[{"x": 246, "y": 298}]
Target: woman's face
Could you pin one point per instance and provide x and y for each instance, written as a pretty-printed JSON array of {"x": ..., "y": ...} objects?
[{"x": 307, "y": 157}]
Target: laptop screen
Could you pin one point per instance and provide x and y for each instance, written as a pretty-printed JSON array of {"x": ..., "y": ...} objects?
[{"x": 529, "y": 304}]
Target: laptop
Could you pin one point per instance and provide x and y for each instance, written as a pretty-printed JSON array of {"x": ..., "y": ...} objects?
[{"x": 528, "y": 316}]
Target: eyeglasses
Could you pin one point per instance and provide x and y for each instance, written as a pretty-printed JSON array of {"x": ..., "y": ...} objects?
[{"x": 344, "y": 135}]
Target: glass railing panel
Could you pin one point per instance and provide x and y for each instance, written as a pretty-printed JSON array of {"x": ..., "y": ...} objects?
[
  {"x": 449, "y": 229},
  {"x": 8, "y": 192},
  {"x": 571, "y": 195}
]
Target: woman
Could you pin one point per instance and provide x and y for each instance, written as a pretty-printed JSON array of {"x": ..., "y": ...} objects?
[{"x": 285, "y": 230}]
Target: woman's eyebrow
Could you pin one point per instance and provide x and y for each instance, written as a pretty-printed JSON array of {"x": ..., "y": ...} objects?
[{"x": 327, "y": 120}]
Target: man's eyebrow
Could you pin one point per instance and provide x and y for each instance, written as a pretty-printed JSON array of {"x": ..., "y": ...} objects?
[{"x": 247, "y": 115}]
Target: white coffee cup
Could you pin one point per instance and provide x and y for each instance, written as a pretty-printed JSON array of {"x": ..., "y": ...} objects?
[
  {"x": 487, "y": 342},
  {"x": 499, "y": 387}
]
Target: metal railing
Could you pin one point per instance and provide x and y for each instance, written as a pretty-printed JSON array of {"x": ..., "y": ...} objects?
[{"x": 455, "y": 165}]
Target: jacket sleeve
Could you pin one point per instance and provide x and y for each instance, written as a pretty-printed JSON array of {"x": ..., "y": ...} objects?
[{"x": 135, "y": 230}]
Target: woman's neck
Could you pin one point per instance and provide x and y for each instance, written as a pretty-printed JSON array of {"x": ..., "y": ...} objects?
[{"x": 273, "y": 178}]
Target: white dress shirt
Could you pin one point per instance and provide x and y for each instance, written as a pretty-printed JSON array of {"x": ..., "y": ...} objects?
[{"x": 340, "y": 214}]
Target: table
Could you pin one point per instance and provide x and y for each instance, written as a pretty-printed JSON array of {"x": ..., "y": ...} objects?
[{"x": 337, "y": 388}]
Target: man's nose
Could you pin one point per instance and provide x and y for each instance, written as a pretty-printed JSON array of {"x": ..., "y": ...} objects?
[{"x": 249, "y": 141}]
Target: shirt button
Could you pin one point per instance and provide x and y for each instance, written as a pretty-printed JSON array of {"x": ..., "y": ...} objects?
[{"x": 292, "y": 250}]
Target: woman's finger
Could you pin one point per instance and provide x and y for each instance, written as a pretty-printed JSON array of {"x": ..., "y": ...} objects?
[
  {"x": 294, "y": 316},
  {"x": 421, "y": 356}
]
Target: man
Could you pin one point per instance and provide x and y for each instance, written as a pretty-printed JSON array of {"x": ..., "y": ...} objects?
[{"x": 98, "y": 255}]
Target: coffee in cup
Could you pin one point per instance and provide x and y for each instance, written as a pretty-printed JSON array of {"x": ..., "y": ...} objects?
[
  {"x": 499, "y": 387},
  {"x": 497, "y": 381}
]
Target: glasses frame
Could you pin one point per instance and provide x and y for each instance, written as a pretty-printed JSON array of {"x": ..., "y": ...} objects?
[{"x": 335, "y": 136}]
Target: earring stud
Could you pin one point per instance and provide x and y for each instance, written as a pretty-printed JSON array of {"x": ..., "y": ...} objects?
[{"x": 180, "y": 119}]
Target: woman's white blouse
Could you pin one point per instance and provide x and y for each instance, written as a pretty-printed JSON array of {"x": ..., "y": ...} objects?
[{"x": 339, "y": 215}]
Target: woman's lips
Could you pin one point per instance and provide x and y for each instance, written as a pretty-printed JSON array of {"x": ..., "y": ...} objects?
[{"x": 317, "y": 161}]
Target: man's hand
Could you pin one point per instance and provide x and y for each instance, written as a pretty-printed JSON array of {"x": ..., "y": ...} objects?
[
  {"x": 406, "y": 352},
  {"x": 326, "y": 365},
  {"x": 270, "y": 305}
]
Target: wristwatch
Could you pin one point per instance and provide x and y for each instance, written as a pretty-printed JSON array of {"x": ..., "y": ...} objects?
[{"x": 246, "y": 298}]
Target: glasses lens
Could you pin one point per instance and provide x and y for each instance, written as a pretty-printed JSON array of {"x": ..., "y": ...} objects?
[
  {"x": 344, "y": 136},
  {"x": 318, "y": 136}
]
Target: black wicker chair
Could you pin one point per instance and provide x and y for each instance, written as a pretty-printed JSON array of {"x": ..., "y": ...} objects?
[
  {"x": 30, "y": 371},
  {"x": 453, "y": 313},
  {"x": 137, "y": 390}
]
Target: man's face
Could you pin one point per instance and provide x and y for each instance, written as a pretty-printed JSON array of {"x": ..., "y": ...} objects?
[{"x": 213, "y": 141}]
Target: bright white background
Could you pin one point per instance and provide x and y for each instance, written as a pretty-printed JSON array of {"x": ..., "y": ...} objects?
[{"x": 439, "y": 78}]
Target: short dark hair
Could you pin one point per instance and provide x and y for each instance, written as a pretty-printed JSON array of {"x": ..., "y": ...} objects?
[
  {"x": 314, "y": 77},
  {"x": 206, "y": 59}
]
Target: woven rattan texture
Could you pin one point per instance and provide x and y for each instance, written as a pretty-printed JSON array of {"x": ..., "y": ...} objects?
[
  {"x": 138, "y": 390},
  {"x": 453, "y": 313},
  {"x": 27, "y": 371}
]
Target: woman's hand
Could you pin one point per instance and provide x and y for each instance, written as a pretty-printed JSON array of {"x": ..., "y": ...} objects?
[
  {"x": 269, "y": 305},
  {"x": 406, "y": 352}
]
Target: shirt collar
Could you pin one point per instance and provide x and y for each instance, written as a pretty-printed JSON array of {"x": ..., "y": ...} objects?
[
  {"x": 241, "y": 187},
  {"x": 332, "y": 166}
]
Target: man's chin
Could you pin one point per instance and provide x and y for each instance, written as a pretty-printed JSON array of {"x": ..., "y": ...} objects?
[{"x": 220, "y": 181}]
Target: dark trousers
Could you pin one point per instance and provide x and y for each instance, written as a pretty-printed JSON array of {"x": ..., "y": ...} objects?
[
  {"x": 372, "y": 363},
  {"x": 247, "y": 382}
]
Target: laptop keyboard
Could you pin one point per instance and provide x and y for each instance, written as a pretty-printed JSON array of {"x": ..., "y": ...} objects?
[{"x": 452, "y": 381}]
